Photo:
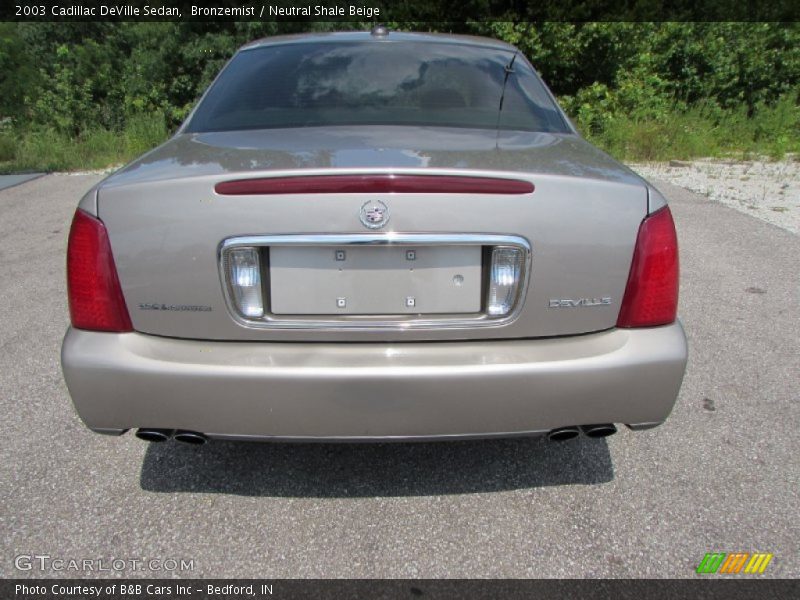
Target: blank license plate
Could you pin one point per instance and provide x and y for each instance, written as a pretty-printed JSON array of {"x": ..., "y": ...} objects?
[{"x": 375, "y": 280}]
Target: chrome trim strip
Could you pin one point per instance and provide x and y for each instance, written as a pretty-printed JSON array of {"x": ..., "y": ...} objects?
[{"x": 372, "y": 322}]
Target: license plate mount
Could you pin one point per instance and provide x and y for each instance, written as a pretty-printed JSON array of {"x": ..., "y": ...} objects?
[{"x": 375, "y": 280}]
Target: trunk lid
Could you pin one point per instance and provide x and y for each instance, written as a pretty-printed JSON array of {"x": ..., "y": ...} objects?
[{"x": 166, "y": 223}]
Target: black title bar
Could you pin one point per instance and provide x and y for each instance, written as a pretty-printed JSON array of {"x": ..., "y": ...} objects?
[
  {"x": 481, "y": 589},
  {"x": 374, "y": 11}
]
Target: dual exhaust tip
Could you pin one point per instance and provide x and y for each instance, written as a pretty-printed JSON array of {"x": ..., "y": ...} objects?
[
  {"x": 600, "y": 430},
  {"x": 162, "y": 435}
]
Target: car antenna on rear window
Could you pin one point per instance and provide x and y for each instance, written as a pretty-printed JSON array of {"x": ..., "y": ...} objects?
[{"x": 509, "y": 69}]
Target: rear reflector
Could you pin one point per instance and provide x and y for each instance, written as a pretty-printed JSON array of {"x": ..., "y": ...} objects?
[
  {"x": 651, "y": 296},
  {"x": 374, "y": 184},
  {"x": 95, "y": 297}
]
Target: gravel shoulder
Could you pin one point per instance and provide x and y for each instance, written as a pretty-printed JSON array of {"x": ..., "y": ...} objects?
[{"x": 767, "y": 190}]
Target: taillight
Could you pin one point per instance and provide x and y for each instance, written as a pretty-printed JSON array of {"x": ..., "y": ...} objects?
[
  {"x": 95, "y": 296},
  {"x": 651, "y": 296}
]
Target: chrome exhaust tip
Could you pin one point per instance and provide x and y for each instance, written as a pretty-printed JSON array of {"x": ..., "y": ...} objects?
[
  {"x": 599, "y": 431},
  {"x": 190, "y": 437},
  {"x": 154, "y": 435},
  {"x": 563, "y": 433}
]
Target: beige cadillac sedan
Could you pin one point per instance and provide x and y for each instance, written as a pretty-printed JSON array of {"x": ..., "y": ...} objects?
[{"x": 373, "y": 236}]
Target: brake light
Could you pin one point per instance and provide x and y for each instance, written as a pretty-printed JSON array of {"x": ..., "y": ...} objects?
[
  {"x": 374, "y": 184},
  {"x": 651, "y": 296},
  {"x": 95, "y": 296}
]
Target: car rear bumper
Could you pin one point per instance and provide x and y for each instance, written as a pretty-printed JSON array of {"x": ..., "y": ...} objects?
[{"x": 367, "y": 391}]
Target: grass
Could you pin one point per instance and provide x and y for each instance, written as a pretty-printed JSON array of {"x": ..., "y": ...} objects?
[
  {"x": 704, "y": 130},
  {"x": 49, "y": 150}
]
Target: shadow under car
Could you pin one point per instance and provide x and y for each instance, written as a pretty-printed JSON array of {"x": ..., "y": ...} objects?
[{"x": 326, "y": 470}]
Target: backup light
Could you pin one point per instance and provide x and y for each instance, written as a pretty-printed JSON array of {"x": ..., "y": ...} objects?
[
  {"x": 504, "y": 278},
  {"x": 244, "y": 277}
]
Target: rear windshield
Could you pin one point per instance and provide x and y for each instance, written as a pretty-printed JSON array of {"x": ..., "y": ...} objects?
[{"x": 376, "y": 83}]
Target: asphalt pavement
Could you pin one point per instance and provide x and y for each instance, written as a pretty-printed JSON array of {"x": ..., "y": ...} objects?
[
  {"x": 720, "y": 475},
  {"x": 7, "y": 181}
]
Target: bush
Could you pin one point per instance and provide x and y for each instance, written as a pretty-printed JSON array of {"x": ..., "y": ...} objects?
[{"x": 7, "y": 147}]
